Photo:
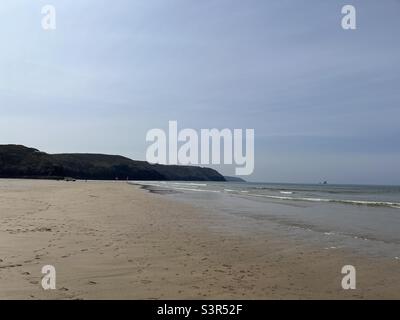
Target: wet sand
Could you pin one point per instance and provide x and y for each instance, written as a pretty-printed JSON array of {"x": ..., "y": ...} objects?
[{"x": 112, "y": 240}]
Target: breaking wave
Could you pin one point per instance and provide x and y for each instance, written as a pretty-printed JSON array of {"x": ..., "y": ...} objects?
[{"x": 352, "y": 202}]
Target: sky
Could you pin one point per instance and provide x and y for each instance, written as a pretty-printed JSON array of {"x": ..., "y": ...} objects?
[{"x": 324, "y": 102}]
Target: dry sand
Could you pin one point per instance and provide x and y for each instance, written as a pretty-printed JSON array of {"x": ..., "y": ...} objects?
[{"x": 111, "y": 240}]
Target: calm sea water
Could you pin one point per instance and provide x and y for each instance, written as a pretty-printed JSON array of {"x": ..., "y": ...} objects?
[{"x": 363, "y": 218}]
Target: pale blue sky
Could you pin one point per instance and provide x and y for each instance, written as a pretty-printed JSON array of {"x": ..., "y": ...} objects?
[{"x": 324, "y": 102}]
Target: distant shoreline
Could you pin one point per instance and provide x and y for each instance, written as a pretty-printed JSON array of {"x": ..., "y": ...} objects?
[{"x": 17, "y": 161}]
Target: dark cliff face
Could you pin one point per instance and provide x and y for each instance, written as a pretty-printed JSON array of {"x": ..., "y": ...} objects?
[{"x": 22, "y": 162}]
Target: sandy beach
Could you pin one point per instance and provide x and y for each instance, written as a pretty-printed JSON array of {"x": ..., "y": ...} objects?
[{"x": 112, "y": 240}]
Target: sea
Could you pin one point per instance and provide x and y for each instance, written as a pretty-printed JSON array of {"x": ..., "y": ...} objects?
[{"x": 362, "y": 218}]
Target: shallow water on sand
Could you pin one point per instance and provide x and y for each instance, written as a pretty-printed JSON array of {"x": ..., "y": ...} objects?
[{"x": 361, "y": 218}]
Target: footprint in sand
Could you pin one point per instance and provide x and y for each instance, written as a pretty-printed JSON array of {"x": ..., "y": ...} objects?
[
  {"x": 11, "y": 266},
  {"x": 145, "y": 281}
]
